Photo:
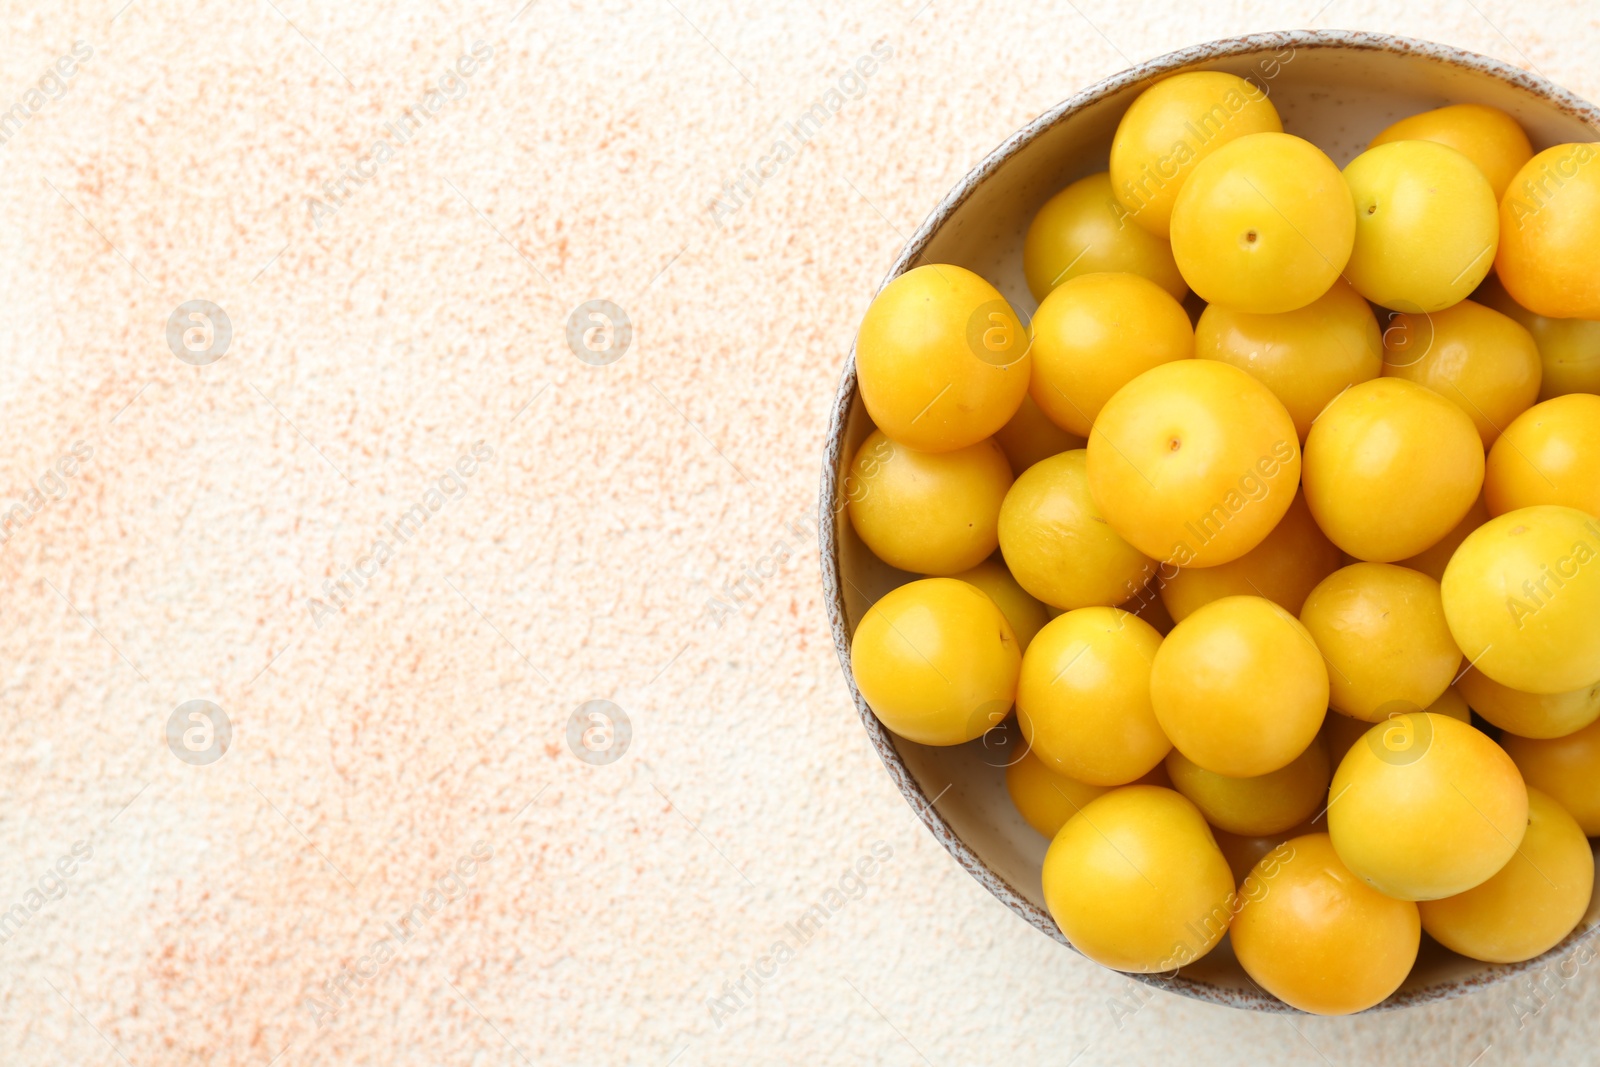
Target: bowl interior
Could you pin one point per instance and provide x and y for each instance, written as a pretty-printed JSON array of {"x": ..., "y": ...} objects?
[{"x": 1336, "y": 90}]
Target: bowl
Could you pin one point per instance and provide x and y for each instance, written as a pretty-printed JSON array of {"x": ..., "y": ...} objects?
[{"x": 1335, "y": 88}]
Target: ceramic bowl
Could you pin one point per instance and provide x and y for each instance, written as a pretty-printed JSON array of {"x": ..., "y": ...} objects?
[{"x": 1337, "y": 89}]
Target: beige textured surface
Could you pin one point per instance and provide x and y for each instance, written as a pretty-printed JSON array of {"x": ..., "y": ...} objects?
[{"x": 374, "y": 348}]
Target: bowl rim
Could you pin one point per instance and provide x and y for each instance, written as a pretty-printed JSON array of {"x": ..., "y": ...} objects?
[{"x": 833, "y": 577}]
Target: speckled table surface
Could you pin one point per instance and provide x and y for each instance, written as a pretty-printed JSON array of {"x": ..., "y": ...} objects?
[{"x": 294, "y": 430}]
